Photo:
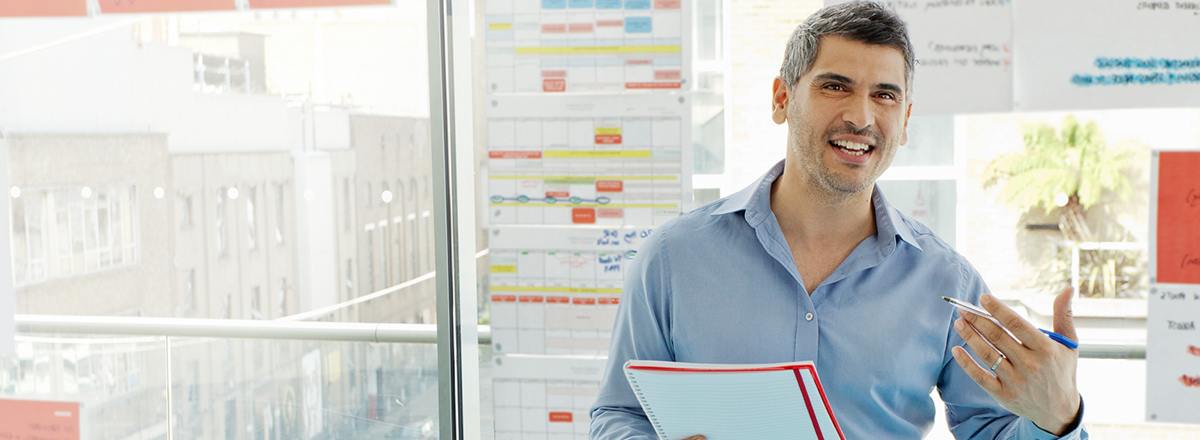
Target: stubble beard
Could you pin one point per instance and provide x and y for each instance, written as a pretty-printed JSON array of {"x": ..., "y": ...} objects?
[{"x": 811, "y": 150}]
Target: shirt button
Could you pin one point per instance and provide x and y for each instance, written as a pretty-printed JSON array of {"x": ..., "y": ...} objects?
[{"x": 808, "y": 317}]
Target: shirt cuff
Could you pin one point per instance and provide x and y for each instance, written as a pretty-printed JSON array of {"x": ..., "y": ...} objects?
[{"x": 1074, "y": 430}]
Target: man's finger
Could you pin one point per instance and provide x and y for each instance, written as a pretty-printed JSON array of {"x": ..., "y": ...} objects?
[
  {"x": 995, "y": 335},
  {"x": 1029, "y": 335},
  {"x": 977, "y": 373},
  {"x": 695, "y": 437},
  {"x": 984, "y": 350},
  {"x": 1064, "y": 320}
]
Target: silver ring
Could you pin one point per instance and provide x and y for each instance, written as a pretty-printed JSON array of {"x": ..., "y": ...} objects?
[{"x": 997, "y": 364}]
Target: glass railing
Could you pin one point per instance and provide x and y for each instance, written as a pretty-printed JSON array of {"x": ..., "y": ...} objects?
[
  {"x": 233, "y": 379},
  {"x": 228, "y": 380}
]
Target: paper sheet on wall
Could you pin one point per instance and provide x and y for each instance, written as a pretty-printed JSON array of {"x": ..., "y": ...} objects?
[
  {"x": 1172, "y": 340},
  {"x": 964, "y": 54},
  {"x": 607, "y": 160},
  {"x": 555, "y": 46},
  {"x": 556, "y": 290},
  {"x": 1083, "y": 54},
  {"x": 537, "y": 396}
]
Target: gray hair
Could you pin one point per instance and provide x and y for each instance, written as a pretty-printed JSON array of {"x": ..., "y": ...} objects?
[{"x": 865, "y": 22}]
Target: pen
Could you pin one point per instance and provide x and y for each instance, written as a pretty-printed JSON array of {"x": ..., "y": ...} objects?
[{"x": 981, "y": 312}]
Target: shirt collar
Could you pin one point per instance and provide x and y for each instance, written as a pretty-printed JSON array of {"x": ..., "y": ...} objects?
[{"x": 756, "y": 201}]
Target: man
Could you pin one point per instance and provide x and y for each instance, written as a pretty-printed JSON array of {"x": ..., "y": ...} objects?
[{"x": 811, "y": 263}]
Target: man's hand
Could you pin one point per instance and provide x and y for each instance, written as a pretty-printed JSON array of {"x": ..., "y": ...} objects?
[
  {"x": 1035, "y": 376},
  {"x": 695, "y": 437}
]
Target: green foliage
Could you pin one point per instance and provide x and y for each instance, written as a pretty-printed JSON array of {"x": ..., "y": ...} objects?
[{"x": 1073, "y": 162}]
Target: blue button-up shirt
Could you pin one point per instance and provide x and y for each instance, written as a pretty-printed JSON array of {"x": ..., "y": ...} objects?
[{"x": 719, "y": 285}]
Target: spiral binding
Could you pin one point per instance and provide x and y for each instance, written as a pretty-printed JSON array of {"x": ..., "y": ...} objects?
[{"x": 662, "y": 433}]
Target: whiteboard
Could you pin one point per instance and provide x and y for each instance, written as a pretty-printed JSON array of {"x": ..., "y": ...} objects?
[
  {"x": 1172, "y": 338},
  {"x": 1086, "y": 54},
  {"x": 964, "y": 55}
]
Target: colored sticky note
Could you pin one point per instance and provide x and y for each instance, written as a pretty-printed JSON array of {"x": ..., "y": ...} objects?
[
  {"x": 637, "y": 25},
  {"x": 1177, "y": 254},
  {"x": 554, "y": 4},
  {"x": 608, "y": 4},
  {"x": 637, "y": 4},
  {"x": 579, "y": 4}
]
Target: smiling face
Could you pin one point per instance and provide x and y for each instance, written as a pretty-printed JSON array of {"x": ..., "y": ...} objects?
[{"x": 846, "y": 116}]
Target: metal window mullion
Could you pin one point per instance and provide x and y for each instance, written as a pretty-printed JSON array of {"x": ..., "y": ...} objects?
[{"x": 458, "y": 363}]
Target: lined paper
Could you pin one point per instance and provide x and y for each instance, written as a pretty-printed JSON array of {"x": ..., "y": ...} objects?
[{"x": 731, "y": 405}]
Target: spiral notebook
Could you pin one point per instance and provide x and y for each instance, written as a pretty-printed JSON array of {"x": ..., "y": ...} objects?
[{"x": 730, "y": 402}]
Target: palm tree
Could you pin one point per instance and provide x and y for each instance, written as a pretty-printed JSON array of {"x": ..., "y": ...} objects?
[{"x": 1067, "y": 171}]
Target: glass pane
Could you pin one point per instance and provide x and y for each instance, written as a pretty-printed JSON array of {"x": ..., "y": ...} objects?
[
  {"x": 930, "y": 142},
  {"x": 228, "y": 164},
  {"x": 95, "y": 385},
  {"x": 931, "y": 202}
]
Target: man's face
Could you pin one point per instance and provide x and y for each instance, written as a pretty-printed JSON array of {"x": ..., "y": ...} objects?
[{"x": 847, "y": 116}]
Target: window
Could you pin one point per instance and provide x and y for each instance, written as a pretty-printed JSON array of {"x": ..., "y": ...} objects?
[
  {"x": 279, "y": 214},
  {"x": 369, "y": 195},
  {"x": 346, "y": 204},
  {"x": 52, "y": 240},
  {"x": 187, "y": 290},
  {"x": 348, "y": 276},
  {"x": 220, "y": 223},
  {"x": 251, "y": 235},
  {"x": 282, "y": 300},
  {"x": 185, "y": 211},
  {"x": 256, "y": 304},
  {"x": 370, "y": 257}
]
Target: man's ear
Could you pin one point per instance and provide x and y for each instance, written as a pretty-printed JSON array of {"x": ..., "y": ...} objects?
[
  {"x": 779, "y": 101},
  {"x": 904, "y": 133}
]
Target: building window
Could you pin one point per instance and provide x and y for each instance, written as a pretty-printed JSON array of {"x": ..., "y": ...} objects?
[
  {"x": 346, "y": 199},
  {"x": 185, "y": 211},
  {"x": 426, "y": 243},
  {"x": 67, "y": 231},
  {"x": 251, "y": 231},
  {"x": 256, "y": 303},
  {"x": 279, "y": 218},
  {"x": 371, "y": 257},
  {"x": 283, "y": 291},
  {"x": 221, "y": 245},
  {"x": 188, "y": 290},
  {"x": 349, "y": 276},
  {"x": 369, "y": 194}
]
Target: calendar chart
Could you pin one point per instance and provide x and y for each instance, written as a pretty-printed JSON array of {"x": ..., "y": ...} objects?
[
  {"x": 552, "y": 162},
  {"x": 556, "y": 292},
  {"x": 545, "y": 397},
  {"x": 554, "y": 46}
]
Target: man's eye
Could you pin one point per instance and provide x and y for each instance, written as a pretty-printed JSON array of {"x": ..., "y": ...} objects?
[
  {"x": 836, "y": 87},
  {"x": 887, "y": 96}
]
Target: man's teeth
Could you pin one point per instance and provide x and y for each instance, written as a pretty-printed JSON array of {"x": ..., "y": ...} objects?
[{"x": 852, "y": 148}]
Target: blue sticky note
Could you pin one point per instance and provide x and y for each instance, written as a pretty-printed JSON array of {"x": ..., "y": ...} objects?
[
  {"x": 554, "y": 4},
  {"x": 637, "y": 25},
  {"x": 637, "y": 4},
  {"x": 578, "y": 4},
  {"x": 608, "y": 4}
]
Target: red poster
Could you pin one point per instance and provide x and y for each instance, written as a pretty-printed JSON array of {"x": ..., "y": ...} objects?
[
  {"x": 44, "y": 8},
  {"x": 1177, "y": 255},
  {"x": 140, "y": 6},
  {"x": 43, "y": 420},
  {"x": 273, "y": 4}
]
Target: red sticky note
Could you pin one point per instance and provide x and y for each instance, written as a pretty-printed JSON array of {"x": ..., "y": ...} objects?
[
  {"x": 583, "y": 215},
  {"x": 1177, "y": 257}
]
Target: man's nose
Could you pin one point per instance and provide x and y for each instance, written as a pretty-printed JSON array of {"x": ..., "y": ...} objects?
[{"x": 858, "y": 112}]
